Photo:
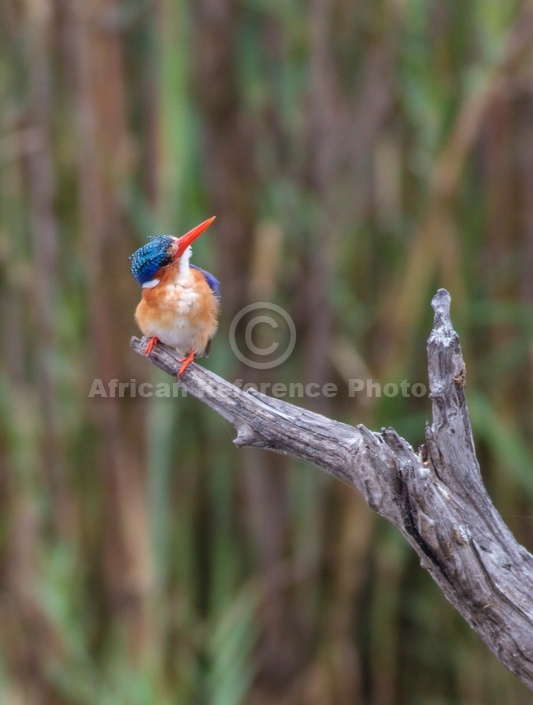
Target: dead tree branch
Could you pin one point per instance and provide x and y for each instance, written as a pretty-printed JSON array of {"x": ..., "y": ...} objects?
[{"x": 435, "y": 497}]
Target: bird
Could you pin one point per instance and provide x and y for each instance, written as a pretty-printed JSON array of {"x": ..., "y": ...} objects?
[{"x": 180, "y": 302}]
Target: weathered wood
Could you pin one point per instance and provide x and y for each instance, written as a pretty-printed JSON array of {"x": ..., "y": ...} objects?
[{"x": 435, "y": 497}]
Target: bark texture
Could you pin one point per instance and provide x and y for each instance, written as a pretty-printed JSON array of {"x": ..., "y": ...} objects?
[{"x": 435, "y": 497}]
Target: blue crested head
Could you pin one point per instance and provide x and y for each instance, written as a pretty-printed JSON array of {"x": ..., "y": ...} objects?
[{"x": 147, "y": 260}]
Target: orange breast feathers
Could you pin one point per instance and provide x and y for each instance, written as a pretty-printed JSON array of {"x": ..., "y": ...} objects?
[{"x": 181, "y": 310}]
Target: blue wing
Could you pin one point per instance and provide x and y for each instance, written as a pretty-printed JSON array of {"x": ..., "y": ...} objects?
[{"x": 213, "y": 283}]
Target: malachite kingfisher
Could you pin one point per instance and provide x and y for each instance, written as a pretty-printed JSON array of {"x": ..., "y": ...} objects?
[{"x": 180, "y": 302}]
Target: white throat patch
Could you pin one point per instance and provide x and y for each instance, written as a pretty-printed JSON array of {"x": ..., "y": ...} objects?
[{"x": 184, "y": 261}]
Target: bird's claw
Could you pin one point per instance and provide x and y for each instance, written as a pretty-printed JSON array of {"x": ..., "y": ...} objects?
[
  {"x": 150, "y": 345},
  {"x": 186, "y": 362}
]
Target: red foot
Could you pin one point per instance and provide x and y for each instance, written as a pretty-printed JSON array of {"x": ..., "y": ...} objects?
[
  {"x": 150, "y": 346},
  {"x": 186, "y": 362}
]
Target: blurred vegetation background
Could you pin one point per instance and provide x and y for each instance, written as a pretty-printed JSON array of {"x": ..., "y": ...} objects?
[{"x": 357, "y": 155}]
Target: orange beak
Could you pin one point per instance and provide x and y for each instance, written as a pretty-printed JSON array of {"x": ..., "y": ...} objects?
[{"x": 187, "y": 239}]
